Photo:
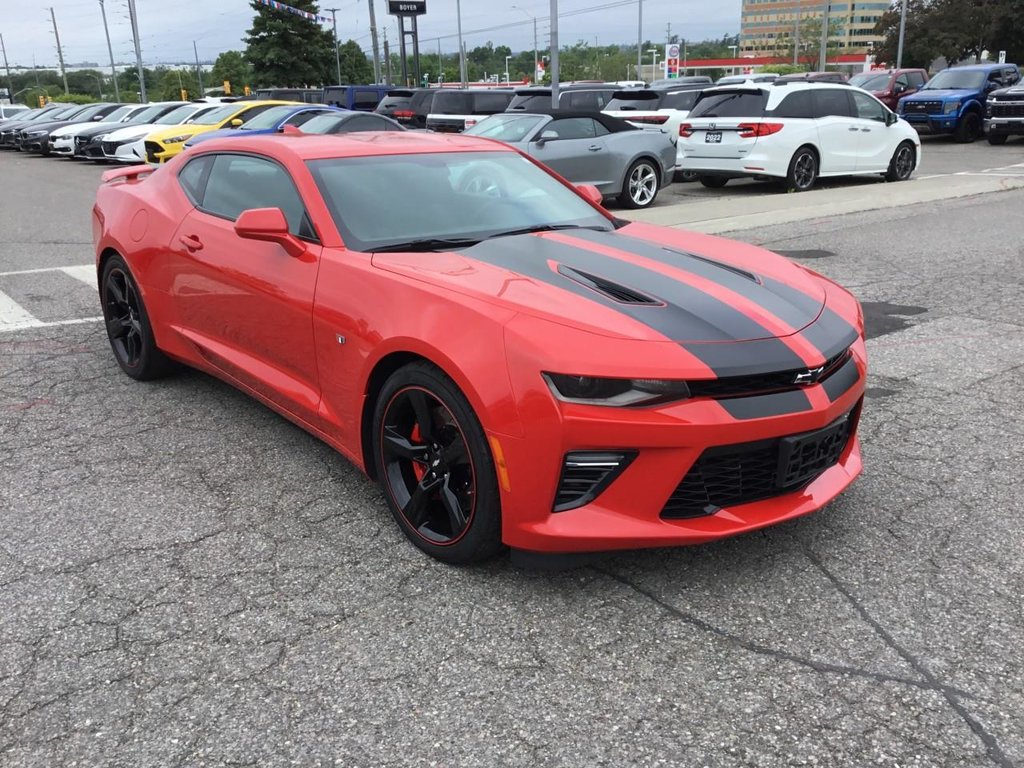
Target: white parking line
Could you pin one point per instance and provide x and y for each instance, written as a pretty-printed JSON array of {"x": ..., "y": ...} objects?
[
  {"x": 14, "y": 317},
  {"x": 85, "y": 273}
]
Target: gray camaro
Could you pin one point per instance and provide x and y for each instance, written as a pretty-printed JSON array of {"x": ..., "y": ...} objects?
[{"x": 621, "y": 160}]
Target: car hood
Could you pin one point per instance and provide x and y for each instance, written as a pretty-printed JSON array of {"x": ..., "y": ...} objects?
[
  {"x": 942, "y": 93},
  {"x": 135, "y": 131},
  {"x": 77, "y": 129},
  {"x": 641, "y": 282}
]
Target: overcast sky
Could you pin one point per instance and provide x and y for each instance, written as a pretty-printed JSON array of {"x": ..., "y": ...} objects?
[{"x": 167, "y": 28}]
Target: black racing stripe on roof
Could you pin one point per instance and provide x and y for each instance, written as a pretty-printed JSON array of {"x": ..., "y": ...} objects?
[
  {"x": 688, "y": 314},
  {"x": 747, "y": 358},
  {"x": 829, "y": 334},
  {"x": 763, "y": 406},
  {"x": 794, "y": 308},
  {"x": 840, "y": 382}
]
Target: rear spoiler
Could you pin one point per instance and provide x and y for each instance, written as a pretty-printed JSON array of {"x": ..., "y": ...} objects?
[{"x": 131, "y": 173}]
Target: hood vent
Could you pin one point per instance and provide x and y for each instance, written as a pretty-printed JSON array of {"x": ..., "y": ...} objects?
[
  {"x": 613, "y": 291},
  {"x": 735, "y": 270}
]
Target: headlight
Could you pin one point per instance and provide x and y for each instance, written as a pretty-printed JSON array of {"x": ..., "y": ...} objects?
[
  {"x": 593, "y": 390},
  {"x": 177, "y": 139},
  {"x": 951, "y": 107},
  {"x": 35, "y": 134}
]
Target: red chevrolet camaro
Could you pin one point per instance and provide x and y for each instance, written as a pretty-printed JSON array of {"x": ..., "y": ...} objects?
[{"x": 512, "y": 363}]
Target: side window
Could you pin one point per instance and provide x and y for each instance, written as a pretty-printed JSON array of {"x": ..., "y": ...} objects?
[
  {"x": 868, "y": 108},
  {"x": 249, "y": 114},
  {"x": 903, "y": 80},
  {"x": 916, "y": 79},
  {"x": 365, "y": 100},
  {"x": 832, "y": 102},
  {"x": 796, "y": 104},
  {"x": 361, "y": 123},
  {"x": 599, "y": 129},
  {"x": 193, "y": 178},
  {"x": 1010, "y": 76},
  {"x": 490, "y": 103},
  {"x": 302, "y": 117},
  {"x": 239, "y": 182},
  {"x": 571, "y": 128}
]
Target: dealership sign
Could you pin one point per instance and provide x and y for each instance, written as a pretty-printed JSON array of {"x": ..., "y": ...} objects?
[
  {"x": 672, "y": 60},
  {"x": 407, "y": 7}
]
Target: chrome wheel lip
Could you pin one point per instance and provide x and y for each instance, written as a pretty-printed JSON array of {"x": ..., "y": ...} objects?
[{"x": 643, "y": 184}]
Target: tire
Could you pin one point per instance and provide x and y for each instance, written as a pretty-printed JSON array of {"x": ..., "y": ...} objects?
[
  {"x": 969, "y": 128},
  {"x": 128, "y": 328},
  {"x": 435, "y": 467},
  {"x": 641, "y": 184},
  {"x": 714, "y": 182},
  {"x": 903, "y": 161},
  {"x": 803, "y": 170},
  {"x": 997, "y": 139},
  {"x": 685, "y": 177}
]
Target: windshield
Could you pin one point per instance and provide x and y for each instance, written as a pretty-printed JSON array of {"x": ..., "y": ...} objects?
[
  {"x": 269, "y": 119},
  {"x": 321, "y": 123},
  {"x": 871, "y": 82},
  {"x": 524, "y": 102},
  {"x": 679, "y": 100},
  {"x": 505, "y": 127},
  {"x": 218, "y": 115},
  {"x": 731, "y": 104},
  {"x": 452, "y": 195},
  {"x": 643, "y": 100},
  {"x": 149, "y": 114},
  {"x": 953, "y": 79},
  {"x": 177, "y": 115},
  {"x": 118, "y": 114}
]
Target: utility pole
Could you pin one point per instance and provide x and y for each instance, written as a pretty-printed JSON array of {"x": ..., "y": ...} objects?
[
  {"x": 903, "y": 30},
  {"x": 387, "y": 59},
  {"x": 138, "y": 49},
  {"x": 60, "y": 52},
  {"x": 373, "y": 38},
  {"x": 113, "y": 70},
  {"x": 536, "y": 52},
  {"x": 554, "y": 54},
  {"x": 796, "y": 36},
  {"x": 10, "y": 82},
  {"x": 668, "y": 32},
  {"x": 199, "y": 70},
  {"x": 823, "y": 56},
  {"x": 462, "y": 48},
  {"x": 640, "y": 40},
  {"x": 337, "y": 51}
]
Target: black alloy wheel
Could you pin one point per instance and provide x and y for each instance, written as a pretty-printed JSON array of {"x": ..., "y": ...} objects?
[
  {"x": 997, "y": 139},
  {"x": 902, "y": 164},
  {"x": 803, "y": 170},
  {"x": 969, "y": 129},
  {"x": 433, "y": 461},
  {"x": 127, "y": 323}
]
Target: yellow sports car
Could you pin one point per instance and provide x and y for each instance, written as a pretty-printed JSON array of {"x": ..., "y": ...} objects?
[{"x": 162, "y": 145}]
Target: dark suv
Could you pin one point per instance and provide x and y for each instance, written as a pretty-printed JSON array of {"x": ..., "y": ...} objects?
[
  {"x": 1004, "y": 114},
  {"x": 954, "y": 100},
  {"x": 455, "y": 110},
  {"x": 586, "y": 98},
  {"x": 891, "y": 85}
]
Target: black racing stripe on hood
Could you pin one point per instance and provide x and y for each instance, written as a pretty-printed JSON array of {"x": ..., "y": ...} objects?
[
  {"x": 747, "y": 358},
  {"x": 840, "y": 382},
  {"x": 688, "y": 314},
  {"x": 763, "y": 406},
  {"x": 794, "y": 308},
  {"x": 830, "y": 334}
]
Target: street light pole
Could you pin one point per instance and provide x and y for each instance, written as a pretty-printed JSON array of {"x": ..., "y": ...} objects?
[
  {"x": 640, "y": 40},
  {"x": 796, "y": 36},
  {"x": 337, "y": 51},
  {"x": 110, "y": 50},
  {"x": 654, "y": 63},
  {"x": 60, "y": 51},
  {"x": 138, "y": 50},
  {"x": 507, "y": 78},
  {"x": 823, "y": 56},
  {"x": 903, "y": 30},
  {"x": 554, "y": 54},
  {"x": 536, "y": 53},
  {"x": 10, "y": 81},
  {"x": 462, "y": 48},
  {"x": 199, "y": 70}
]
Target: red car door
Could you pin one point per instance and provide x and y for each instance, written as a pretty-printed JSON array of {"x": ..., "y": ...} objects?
[{"x": 247, "y": 305}]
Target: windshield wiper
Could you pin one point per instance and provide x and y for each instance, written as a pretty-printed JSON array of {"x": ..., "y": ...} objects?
[
  {"x": 543, "y": 228},
  {"x": 426, "y": 244}
]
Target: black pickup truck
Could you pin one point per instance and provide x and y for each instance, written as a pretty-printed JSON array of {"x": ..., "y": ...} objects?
[{"x": 1004, "y": 114}]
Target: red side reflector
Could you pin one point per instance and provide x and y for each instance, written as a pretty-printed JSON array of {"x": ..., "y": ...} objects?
[{"x": 756, "y": 130}]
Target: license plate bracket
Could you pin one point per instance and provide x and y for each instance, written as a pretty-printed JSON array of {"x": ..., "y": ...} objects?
[{"x": 804, "y": 456}]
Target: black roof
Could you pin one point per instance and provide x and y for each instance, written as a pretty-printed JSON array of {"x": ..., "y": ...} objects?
[{"x": 613, "y": 124}]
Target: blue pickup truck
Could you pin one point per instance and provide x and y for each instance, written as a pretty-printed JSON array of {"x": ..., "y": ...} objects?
[{"x": 953, "y": 102}]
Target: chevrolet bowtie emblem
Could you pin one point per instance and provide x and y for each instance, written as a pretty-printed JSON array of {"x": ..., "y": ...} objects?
[{"x": 809, "y": 376}]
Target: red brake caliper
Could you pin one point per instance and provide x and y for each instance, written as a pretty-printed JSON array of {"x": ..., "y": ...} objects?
[{"x": 417, "y": 469}]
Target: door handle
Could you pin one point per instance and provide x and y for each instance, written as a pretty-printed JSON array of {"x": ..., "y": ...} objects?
[
  {"x": 191, "y": 242},
  {"x": 594, "y": 148},
  {"x": 866, "y": 130},
  {"x": 854, "y": 128}
]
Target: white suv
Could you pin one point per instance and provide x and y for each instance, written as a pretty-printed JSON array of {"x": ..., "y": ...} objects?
[{"x": 794, "y": 131}]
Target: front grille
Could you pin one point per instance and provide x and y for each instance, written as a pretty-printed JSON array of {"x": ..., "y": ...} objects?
[
  {"x": 761, "y": 384},
  {"x": 1008, "y": 110},
  {"x": 110, "y": 147},
  {"x": 151, "y": 149},
  {"x": 738, "y": 474},
  {"x": 585, "y": 475},
  {"x": 922, "y": 107}
]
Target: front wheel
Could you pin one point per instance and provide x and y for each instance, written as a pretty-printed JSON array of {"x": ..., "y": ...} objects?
[
  {"x": 803, "y": 170},
  {"x": 641, "y": 187},
  {"x": 968, "y": 129},
  {"x": 434, "y": 463},
  {"x": 997, "y": 139},
  {"x": 902, "y": 163},
  {"x": 714, "y": 182},
  {"x": 128, "y": 327}
]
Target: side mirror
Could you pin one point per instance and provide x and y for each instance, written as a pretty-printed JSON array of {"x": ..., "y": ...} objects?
[
  {"x": 270, "y": 226},
  {"x": 545, "y": 137},
  {"x": 899, "y": 88},
  {"x": 891, "y": 118},
  {"x": 236, "y": 122},
  {"x": 591, "y": 193}
]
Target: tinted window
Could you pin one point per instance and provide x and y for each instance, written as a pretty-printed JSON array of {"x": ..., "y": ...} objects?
[
  {"x": 956, "y": 79},
  {"x": 490, "y": 103},
  {"x": 303, "y": 117},
  {"x": 570, "y": 128},
  {"x": 832, "y": 102},
  {"x": 731, "y": 104},
  {"x": 916, "y": 79},
  {"x": 193, "y": 178},
  {"x": 679, "y": 100},
  {"x": 365, "y": 99},
  {"x": 868, "y": 108},
  {"x": 452, "y": 103},
  {"x": 239, "y": 182},
  {"x": 796, "y": 104},
  {"x": 870, "y": 82},
  {"x": 902, "y": 80},
  {"x": 584, "y": 100},
  {"x": 422, "y": 101},
  {"x": 270, "y": 118},
  {"x": 529, "y": 101},
  {"x": 633, "y": 101}
]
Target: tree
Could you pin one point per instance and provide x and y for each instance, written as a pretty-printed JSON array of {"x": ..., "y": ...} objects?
[
  {"x": 286, "y": 50},
  {"x": 173, "y": 82},
  {"x": 809, "y": 56},
  {"x": 355, "y": 67},
  {"x": 231, "y": 66}
]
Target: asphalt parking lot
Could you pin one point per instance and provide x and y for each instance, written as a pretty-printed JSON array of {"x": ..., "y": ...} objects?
[{"x": 187, "y": 579}]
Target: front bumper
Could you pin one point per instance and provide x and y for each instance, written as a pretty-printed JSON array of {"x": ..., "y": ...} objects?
[
  {"x": 634, "y": 510},
  {"x": 156, "y": 152},
  {"x": 1003, "y": 126},
  {"x": 39, "y": 144},
  {"x": 133, "y": 152},
  {"x": 932, "y": 125},
  {"x": 63, "y": 145}
]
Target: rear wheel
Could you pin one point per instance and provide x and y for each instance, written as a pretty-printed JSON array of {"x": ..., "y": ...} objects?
[
  {"x": 641, "y": 187},
  {"x": 128, "y": 326},
  {"x": 969, "y": 128},
  {"x": 714, "y": 182},
  {"x": 435, "y": 466},
  {"x": 997, "y": 139},
  {"x": 803, "y": 170},
  {"x": 902, "y": 163}
]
